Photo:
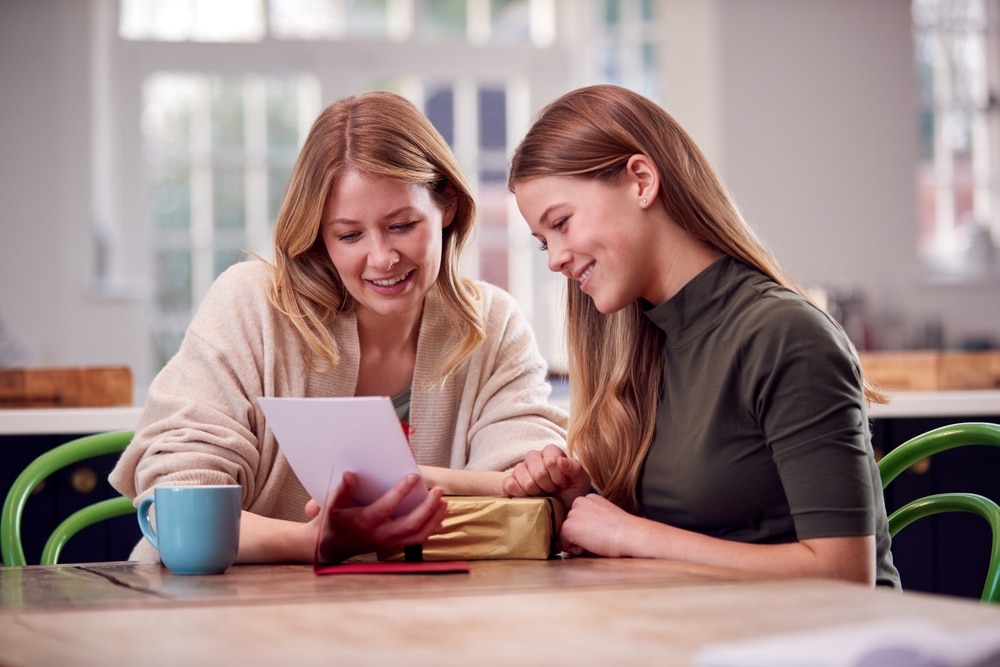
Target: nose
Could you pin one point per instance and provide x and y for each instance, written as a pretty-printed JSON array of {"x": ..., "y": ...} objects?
[
  {"x": 382, "y": 256},
  {"x": 559, "y": 257}
]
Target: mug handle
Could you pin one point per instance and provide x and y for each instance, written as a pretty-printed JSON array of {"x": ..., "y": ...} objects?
[{"x": 144, "y": 524}]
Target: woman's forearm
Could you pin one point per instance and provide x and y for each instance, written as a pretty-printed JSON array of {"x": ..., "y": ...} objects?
[
  {"x": 596, "y": 525},
  {"x": 266, "y": 540},
  {"x": 847, "y": 558},
  {"x": 464, "y": 482}
]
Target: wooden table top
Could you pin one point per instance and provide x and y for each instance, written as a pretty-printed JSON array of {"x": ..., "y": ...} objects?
[
  {"x": 514, "y": 613},
  {"x": 129, "y": 585}
]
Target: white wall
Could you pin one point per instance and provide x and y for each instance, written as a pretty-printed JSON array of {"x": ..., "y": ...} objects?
[
  {"x": 46, "y": 297},
  {"x": 808, "y": 110},
  {"x": 806, "y": 107}
]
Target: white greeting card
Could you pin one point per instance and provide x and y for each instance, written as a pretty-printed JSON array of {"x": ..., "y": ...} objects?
[{"x": 324, "y": 437}]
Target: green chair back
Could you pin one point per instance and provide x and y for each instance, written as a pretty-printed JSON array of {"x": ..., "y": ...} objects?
[
  {"x": 926, "y": 445},
  {"x": 37, "y": 471}
]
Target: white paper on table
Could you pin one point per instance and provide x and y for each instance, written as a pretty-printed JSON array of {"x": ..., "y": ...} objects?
[
  {"x": 324, "y": 437},
  {"x": 899, "y": 643}
]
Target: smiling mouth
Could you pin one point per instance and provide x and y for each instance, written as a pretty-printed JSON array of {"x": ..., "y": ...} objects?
[
  {"x": 586, "y": 274},
  {"x": 389, "y": 282}
]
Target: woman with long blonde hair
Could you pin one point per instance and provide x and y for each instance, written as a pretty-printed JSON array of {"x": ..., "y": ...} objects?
[
  {"x": 363, "y": 298},
  {"x": 721, "y": 416}
]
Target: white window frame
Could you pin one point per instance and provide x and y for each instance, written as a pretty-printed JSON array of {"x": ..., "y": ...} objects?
[{"x": 531, "y": 76}]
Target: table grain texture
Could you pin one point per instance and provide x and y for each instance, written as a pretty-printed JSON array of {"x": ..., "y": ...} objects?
[{"x": 579, "y": 611}]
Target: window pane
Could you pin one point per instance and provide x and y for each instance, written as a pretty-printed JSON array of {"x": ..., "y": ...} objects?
[
  {"x": 367, "y": 18},
  {"x": 625, "y": 51},
  {"x": 229, "y": 186},
  {"x": 277, "y": 181},
  {"x": 493, "y": 234},
  {"x": 649, "y": 61},
  {"x": 283, "y": 113},
  {"x": 227, "y": 116},
  {"x": 493, "y": 135},
  {"x": 173, "y": 280},
  {"x": 226, "y": 258},
  {"x": 956, "y": 175},
  {"x": 437, "y": 19},
  {"x": 170, "y": 192},
  {"x": 492, "y": 118},
  {"x": 612, "y": 13},
  {"x": 511, "y": 21},
  {"x": 168, "y": 100},
  {"x": 441, "y": 112},
  {"x": 304, "y": 19},
  {"x": 191, "y": 20},
  {"x": 166, "y": 342},
  {"x": 610, "y": 64},
  {"x": 647, "y": 11}
]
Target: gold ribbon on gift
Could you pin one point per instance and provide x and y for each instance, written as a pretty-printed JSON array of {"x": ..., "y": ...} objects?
[{"x": 487, "y": 527}]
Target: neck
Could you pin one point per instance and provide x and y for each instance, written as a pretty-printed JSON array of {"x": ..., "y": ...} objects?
[
  {"x": 687, "y": 258},
  {"x": 388, "y": 333}
]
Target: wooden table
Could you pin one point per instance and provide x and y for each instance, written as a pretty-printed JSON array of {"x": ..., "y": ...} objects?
[{"x": 514, "y": 613}]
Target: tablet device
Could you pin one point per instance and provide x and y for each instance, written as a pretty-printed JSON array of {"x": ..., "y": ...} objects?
[{"x": 324, "y": 437}]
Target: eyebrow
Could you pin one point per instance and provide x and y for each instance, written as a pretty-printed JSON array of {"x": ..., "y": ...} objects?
[
  {"x": 391, "y": 214},
  {"x": 543, "y": 218}
]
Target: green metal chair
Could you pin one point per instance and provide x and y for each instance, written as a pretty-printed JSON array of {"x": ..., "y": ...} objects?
[
  {"x": 933, "y": 442},
  {"x": 42, "y": 467}
]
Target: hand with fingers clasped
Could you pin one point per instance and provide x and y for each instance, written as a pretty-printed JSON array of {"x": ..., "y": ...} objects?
[
  {"x": 548, "y": 472},
  {"x": 348, "y": 529},
  {"x": 595, "y": 525}
]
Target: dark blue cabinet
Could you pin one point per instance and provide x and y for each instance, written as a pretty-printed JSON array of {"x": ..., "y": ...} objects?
[
  {"x": 947, "y": 553},
  {"x": 60, "y": 495}
]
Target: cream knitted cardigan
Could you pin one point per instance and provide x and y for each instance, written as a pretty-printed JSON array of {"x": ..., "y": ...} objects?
[{"x": 201, "y": 423}]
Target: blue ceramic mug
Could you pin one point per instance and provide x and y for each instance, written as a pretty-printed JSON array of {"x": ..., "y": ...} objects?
[{"x": 197, "y": 527}]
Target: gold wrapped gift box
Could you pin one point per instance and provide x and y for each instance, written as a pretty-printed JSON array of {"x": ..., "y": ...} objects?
[{"x": 486, "y": 527}]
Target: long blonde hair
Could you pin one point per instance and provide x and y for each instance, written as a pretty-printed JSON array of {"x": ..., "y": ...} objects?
[
  {"x": 616, "y": 360},
  {"x": 381, "y": 135}
]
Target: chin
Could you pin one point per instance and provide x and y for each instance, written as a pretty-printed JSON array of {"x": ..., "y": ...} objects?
[
  {"x": 604, "y": 308},
  {"x": 607, "y": 307}
]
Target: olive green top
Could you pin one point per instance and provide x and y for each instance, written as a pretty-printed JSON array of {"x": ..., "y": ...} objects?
[{"x": 762, "y": 431}]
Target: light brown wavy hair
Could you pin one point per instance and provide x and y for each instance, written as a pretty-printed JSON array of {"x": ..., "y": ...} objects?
[
  {"x": 616, "y": 360},
  {"x": 381, "y": 135}
]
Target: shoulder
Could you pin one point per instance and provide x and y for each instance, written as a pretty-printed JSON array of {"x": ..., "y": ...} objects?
[
  {"x": 502, "y": 315},
  {"x": 782, "y": 332},
  {"x": 774, "y": 322},
  {"x": 247, "y": 276},
  {"x": 786, "y": 314},
  {"x": 495, "y": 299},
  {"x": 765, "y": 307},
  {"x": 237, "y": 300},
  {"x": 243, "y": 283}
]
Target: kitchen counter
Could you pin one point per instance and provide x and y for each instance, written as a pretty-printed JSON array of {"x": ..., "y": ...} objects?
[
  {"x": 50, "y": 421},
  {"x": 952, "y": 403},
  {"x": 93, "y": 420}
]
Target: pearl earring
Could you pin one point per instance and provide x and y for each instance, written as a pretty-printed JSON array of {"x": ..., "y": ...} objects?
[{"x": 644, "y": 201}]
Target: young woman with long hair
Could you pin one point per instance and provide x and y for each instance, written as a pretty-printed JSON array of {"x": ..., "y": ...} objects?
[{"x": 721, "y": 415}]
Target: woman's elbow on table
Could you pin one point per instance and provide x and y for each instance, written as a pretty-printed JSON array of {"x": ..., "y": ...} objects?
[{"x": 846, "y": 558}]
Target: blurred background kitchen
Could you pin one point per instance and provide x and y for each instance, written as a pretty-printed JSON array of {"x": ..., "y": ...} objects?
[{"x": 144, "y": 144}]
